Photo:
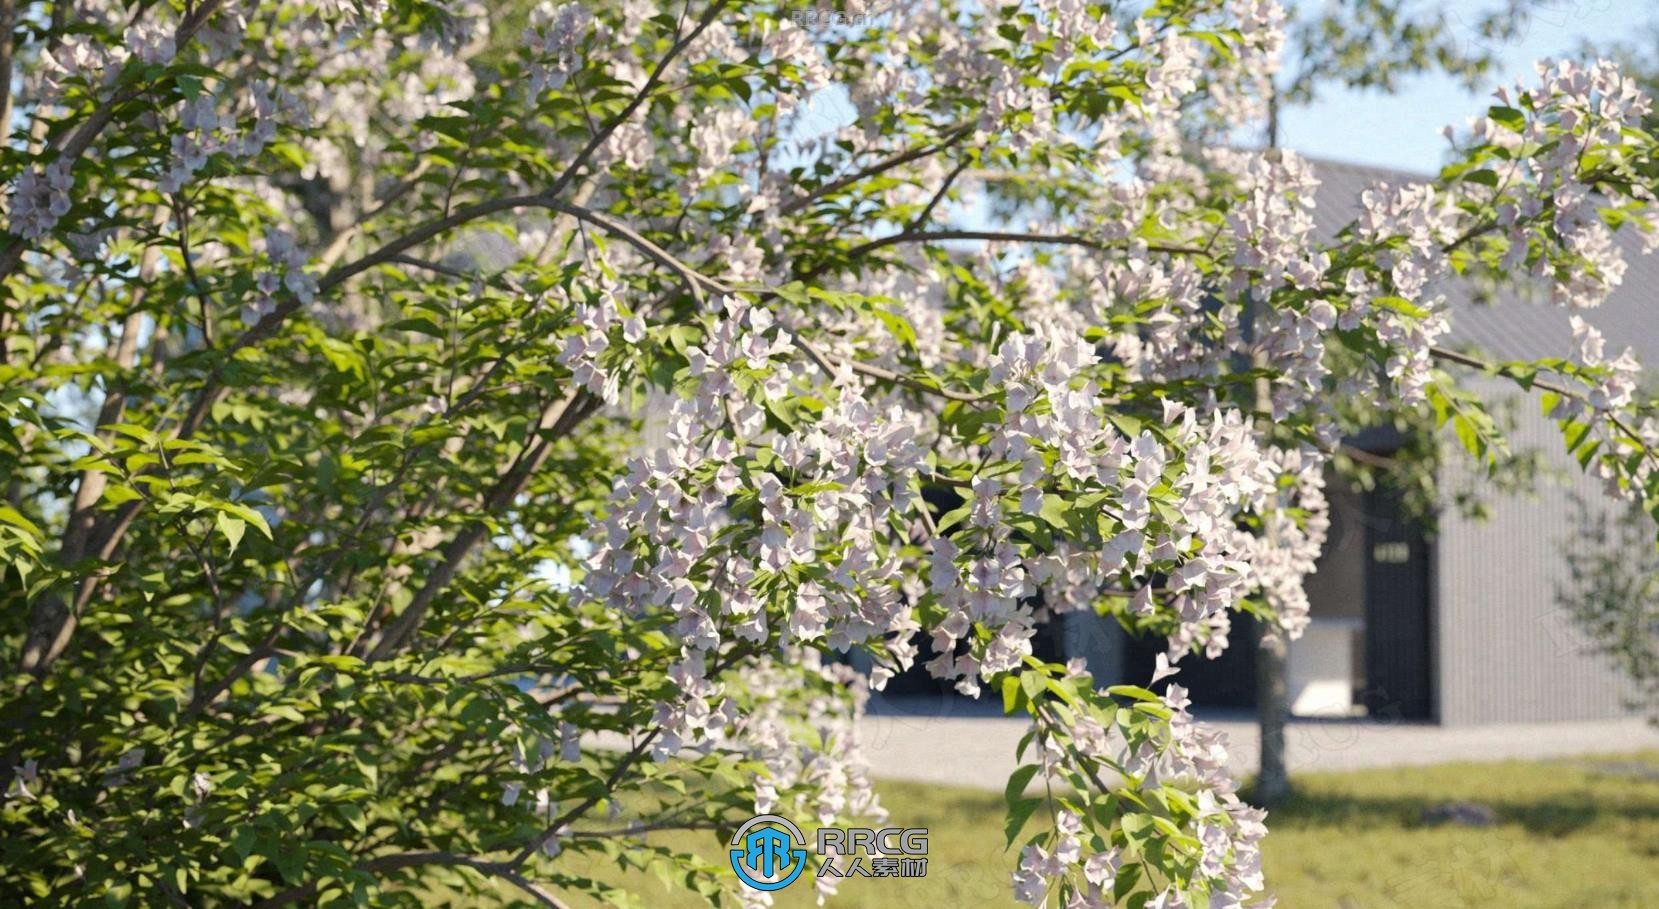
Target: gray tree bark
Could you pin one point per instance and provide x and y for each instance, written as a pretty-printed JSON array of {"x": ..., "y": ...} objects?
[
  {"x": 1272, "y": 713},
  {"x": 1272, "y": 688}
]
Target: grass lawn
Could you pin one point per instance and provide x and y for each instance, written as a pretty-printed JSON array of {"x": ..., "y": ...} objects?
[{"x": 1570, "y": 833}]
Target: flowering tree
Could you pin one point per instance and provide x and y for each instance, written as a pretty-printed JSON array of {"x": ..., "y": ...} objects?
[{"x": 336, "y": 567}]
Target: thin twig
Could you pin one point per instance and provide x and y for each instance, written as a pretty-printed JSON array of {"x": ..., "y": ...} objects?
[
  {"x": 939, "y": 236},
  {"x": 952, "y": 135},
  {"x": 644, "y": 92},
  {"x": 938, "y": 196},
  {"x": 1452, "y": 356}
]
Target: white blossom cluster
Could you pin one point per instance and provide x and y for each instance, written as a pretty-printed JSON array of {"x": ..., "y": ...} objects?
[
  {"x": 810, "y": 748},
  {"x": 205, "y": 129},
  {"x": 1576, "y": 107},
  {"x": 78, "y": 58},
  {"x": 1185, "y": 758},
  {"x": 526, "y": 763},
  {"x": 1610, "y": 384},
  {"x": 787, "y": 42},
  {"x": 1283, "y": 552},
  {"x": 583, "y": 351},
  {"x": 286, "y": 273},
  {"x": 1165, "y": 347},
  {"x": 1273, "y": 249},
  {"x": 809, "y": 744},
  {"x": 1421, "y": 220},
  {"x": 1572, "y": 109},
  {"x": 39, "y": 198},
  {"x": 425, "y": 73},
  {"x": 671, "y": 521},
  {"x": 555, "y": 36},
  {"x": 1623, "y": 372},
  {"x": 152, "y": 42}
]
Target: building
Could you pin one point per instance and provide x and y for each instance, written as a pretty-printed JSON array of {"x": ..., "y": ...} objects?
[
  {"x": 1465, "y": 627},
  {"x": 1462, "y": 627}
]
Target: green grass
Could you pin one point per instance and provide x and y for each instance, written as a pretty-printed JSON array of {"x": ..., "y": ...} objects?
[
  {"x": 967, "y": 866},
  {"x": 1571, "y": 833}
]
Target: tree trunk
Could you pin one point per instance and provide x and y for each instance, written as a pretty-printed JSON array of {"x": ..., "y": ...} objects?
[
  {"x": 1272, "y": 712},
  {"x": 1272, "y": 688}
]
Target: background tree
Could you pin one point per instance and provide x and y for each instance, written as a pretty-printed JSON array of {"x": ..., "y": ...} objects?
[
  {"x": 336, "y": 566},
  {"x": 1375, "y": 45},
  {"x": 1613, "y": 599}
]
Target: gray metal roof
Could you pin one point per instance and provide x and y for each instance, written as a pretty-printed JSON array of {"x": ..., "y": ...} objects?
[{"x": 1518, "y": 323}]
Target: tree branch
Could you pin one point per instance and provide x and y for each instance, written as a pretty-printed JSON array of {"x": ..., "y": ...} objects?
[
  {"x": 938, "y": 196},
  {"x": 938, "y": 236},
  {"x": 622, "y": 117},
  {"x": 952, "y": 135},
  {"x": 8, "y": 22},
  {"x": 1452, "y": 356},
  {"x": 557, "y": 421}
]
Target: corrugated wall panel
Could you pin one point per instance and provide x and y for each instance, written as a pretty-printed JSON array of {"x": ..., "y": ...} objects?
[{"x": 1506, "y": 650}]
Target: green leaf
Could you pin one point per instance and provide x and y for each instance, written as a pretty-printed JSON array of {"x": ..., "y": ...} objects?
[
  {"x": 1062, "y": 691},
  {"x": 1018, "y": 813},
  {"x": 151, "y": 582},
  {"x": 1483, "y": 177},
  {"x": 352, "y": 815},
  {"x": 1157, "y": 710},
  {"x": 1054, "y": 511},
  {"x": 1015, "y": 789},
  {"x": 248, "y": 514},
  {"x": 1129, "y": 876},
  {"x": 1507, "y": 117},
  {"x": 285, "y": 711},
  {"x": 232, "y": 528},
  {"x": 1126, "y": 424},
  {"x": 896, "y": 325},
  {"x": 1137, "y": 828},
  {"x": 418, "y": 326},
  {"x": 1010, "y": 693},
  {"x": 1548, "y": 401},
  {"x": 15, "y": 518},
  {"x": 1575, "y": 433},
  {"x": 1033, "y": 683},
  {"x": 1401, "y": 306},
  {"x": 135, "y": 432},
  {"x": 242, "y": 841}
]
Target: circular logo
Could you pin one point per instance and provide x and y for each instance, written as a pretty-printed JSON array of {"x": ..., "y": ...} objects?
[{"x": 765, "y": 857}]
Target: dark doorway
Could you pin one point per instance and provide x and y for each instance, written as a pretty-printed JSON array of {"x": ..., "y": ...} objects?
[
  {"x": 1398, "y": 677},
  {"x": 1373, "y": 578},
  {"x": 1227, "y": 681}
]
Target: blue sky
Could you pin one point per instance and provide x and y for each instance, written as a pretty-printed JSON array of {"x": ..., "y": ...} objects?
[{"x": 1403, "y": 130}]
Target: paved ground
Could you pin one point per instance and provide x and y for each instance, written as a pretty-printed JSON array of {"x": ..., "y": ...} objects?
[{"x": 948, "y": 740}]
